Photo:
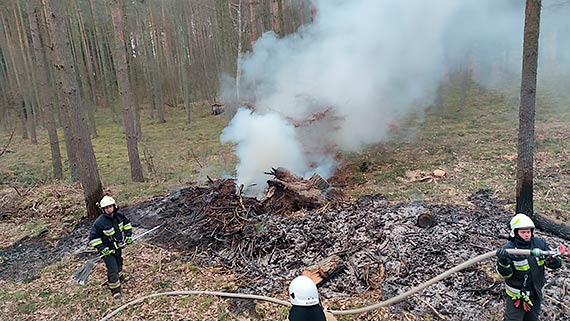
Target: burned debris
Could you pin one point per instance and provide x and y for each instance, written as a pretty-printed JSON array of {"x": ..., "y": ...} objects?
[
  {"x": 349, "y": 248},
  {"x": 288, "y": 193}
]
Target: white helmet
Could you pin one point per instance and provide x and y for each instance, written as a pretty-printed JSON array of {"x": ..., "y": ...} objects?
[
  {"x": 303, "y": 291},
  {"x": 107, "y": 201},
  {"x": 520, "y": 221}
]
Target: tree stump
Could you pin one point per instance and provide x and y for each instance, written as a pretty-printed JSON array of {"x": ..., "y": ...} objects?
[{"x": 425, "y": 220}]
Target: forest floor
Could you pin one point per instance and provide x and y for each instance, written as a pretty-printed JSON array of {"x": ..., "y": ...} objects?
[{"x": 249, "y": 250}]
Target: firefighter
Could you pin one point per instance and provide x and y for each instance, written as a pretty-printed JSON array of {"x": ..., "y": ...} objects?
[
  {"x": 305, "y": 301},
  {"x": 110, "y": 232},
  {"x": 524, "y": 275}
]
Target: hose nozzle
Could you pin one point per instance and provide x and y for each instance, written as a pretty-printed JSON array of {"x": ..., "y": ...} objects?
[{"x": 561, "y": 250}]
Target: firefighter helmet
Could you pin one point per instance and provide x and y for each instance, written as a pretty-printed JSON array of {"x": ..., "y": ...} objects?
[
  {"x": 520, "y": 221},
  {"x": 303, "y": 291},
  {"x": 107, "y": 201}
]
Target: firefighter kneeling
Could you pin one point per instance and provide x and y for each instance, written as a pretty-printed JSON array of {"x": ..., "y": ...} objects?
[{"x": 110, "y": 232}]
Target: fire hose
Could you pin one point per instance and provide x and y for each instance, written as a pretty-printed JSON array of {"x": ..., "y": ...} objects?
[{"x": 533, "y": 252}]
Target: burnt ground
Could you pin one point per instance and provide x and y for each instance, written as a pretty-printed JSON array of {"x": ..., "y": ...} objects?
[{"x": 379, "y": 243}]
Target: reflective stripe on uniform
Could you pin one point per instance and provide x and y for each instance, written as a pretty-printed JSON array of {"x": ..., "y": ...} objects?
[
  {"x": 114, "y": 285},
  {"x": 109, "y": 232},
  {"x": 128, "y": 226},
  {"x": 505, "y": 276},
  {"x": 516, "y": 294},
  {"x": 512, "y": 292},
  {"x": 121, "y": 226},
  {"x": 541, "y": 262},
  {"x": 95, "y": 242},
  {"x": 521, "y": 265}
]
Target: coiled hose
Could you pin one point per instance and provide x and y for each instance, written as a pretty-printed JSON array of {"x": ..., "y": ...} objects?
[{"x": 385, "y": 303}]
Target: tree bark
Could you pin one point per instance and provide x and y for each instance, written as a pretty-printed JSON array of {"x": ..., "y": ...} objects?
[
  {"x": 525, "y": 172},
  {"x": 28, "y": 96},
  {"x": 67, "y": 85},
  {"x": 17, "y": 91},
  {"x": 275, "y": 21},
  {"x": 120, "y": 60},
  {"x": 44, "y": 90},
  {"x": 84, "y": 62}
]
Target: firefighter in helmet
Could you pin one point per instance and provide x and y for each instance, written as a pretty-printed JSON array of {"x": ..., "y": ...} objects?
[
  {"x": 305, "y": 301},
  {"x": 524, "y": 275},
  {"x": 110, "y": 232}
]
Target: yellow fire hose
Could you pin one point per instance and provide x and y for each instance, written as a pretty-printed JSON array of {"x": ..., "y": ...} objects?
[{"x": 394, "y": 300}]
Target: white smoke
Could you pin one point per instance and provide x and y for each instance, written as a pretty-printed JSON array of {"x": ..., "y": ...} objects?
[{"x": 341, "y": 81}]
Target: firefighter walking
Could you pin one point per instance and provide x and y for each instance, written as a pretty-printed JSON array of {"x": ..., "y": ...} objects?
[{"x": 110, "y": 232}]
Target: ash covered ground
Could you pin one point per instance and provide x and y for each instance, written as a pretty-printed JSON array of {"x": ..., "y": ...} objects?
[{"x": 379, "y": 243}]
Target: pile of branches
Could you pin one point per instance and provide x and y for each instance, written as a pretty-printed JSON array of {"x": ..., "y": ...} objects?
[{"x": 198, "y": 215}]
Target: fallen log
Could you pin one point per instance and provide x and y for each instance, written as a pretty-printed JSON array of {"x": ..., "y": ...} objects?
[{"x": 551, "y": 226}]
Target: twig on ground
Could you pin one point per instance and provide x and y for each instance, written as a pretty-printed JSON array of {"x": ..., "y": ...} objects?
[
  {"x": 564, "y": 306},
  {"x": 196, "y": 158}
]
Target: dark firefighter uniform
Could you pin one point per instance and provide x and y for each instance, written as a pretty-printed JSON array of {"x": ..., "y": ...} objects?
[
  {"x": 108, "y": 235},
  {"x": 524, "y": 279}
]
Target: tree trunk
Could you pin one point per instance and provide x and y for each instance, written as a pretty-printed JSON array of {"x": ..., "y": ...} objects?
[
  {"x": 525, "y": 158},
  {"x": 67, "y": 85},
  {"x": 239, "y": 49},
  {"x": 274, "y": 12},
  {"x": 120, "y": 60},
  {"x": 25, "y": 53},
  {"x": 44, "y": 90},
  {"x": 84, "y": 62},
  {"x": 17, "y": 91},
  {"x": 252, "y": 24}
]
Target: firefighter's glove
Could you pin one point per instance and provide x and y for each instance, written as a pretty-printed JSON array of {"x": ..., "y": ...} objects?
[
  {"x": 129, "y": 240},
  {"x": 503, "y": 257},
  {"x": 106, "y": 252},
  {"x": 526, "y": 307}
]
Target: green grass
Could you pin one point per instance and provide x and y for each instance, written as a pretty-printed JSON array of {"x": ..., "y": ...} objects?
[{"x": 171, "y": 154}]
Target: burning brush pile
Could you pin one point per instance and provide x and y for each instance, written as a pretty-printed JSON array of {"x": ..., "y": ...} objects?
[{"x": 349, "y": 248}]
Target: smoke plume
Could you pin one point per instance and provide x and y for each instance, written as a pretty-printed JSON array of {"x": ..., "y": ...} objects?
[{"x": 340, "y": 82}]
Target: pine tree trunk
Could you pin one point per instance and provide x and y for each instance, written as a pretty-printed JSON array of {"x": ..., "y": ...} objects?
[
  {"x": 30, "y": 89},
  {"x": 67, "y": 84},
  {"x": 525, "y": 158},
  {"x": 15, "y": 74},
  {"x": 44, "y": 90},
  {"x": 274, "y": 12},
  {"x": 120, "y": 60}
]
